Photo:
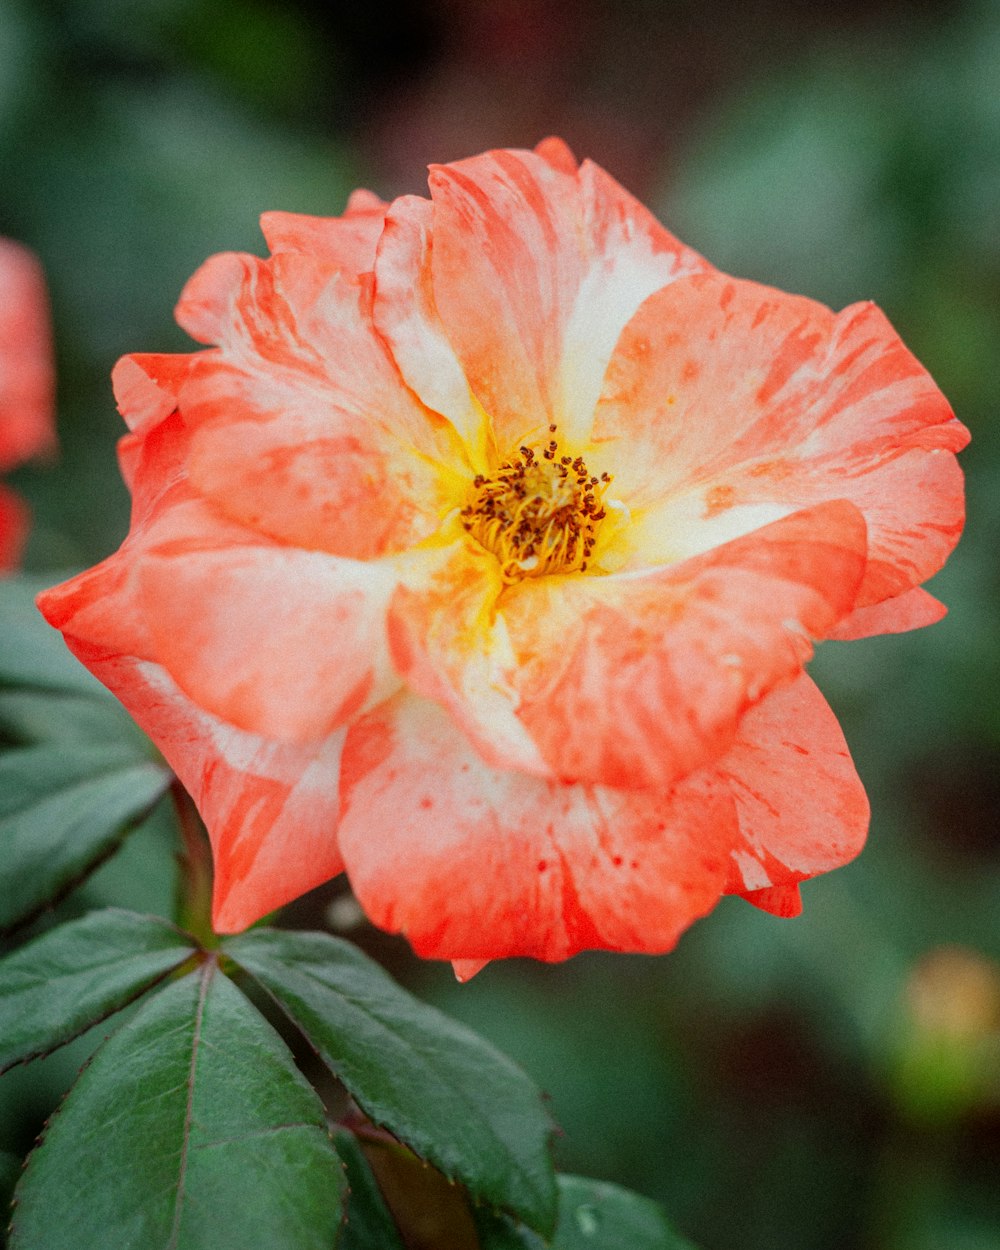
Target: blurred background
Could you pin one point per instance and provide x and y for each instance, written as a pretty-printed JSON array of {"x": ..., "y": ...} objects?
[{"x": 827, "y": 1083}]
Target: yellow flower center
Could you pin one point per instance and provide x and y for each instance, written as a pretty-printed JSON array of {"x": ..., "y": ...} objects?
[{"x": 538, "y": 513}]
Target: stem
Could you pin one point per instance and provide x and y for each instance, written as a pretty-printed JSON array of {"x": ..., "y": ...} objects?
[{"x": 194, "y": 903}]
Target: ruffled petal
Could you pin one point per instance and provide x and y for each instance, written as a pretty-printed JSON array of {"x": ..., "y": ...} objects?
[
  {"x": 534, "y": 272},
  {"x": 147, "y": 386},
  {"x": 205, "y": 307},
  {"x": 27, "y": 377},
  {"x": 466, "y": 969},
  {"x": 913, "y": 609},
  {"x": 302, "y": 473},
  {"x": 448, "y": 641},
  {"x": 406, "y": 315},
  {"x": 303, "y": 428},
  {"x": 346, "y": 242},
  {"x": 801, "y": 806},
  {"x": 724, "y": 398},
  {"x": 474, "y": 864},
  {"x": 277, "y": 641},
  {"x": 557, "y": 153},
  {"x": 778, "y": 900},
  {"x": 639, "y": 680},
  {"x": 287, "y": 316},
  {"x": 103, "y": 604},
  {"x": 270, "y": 807},
  {"x": 282, "y": 643}
]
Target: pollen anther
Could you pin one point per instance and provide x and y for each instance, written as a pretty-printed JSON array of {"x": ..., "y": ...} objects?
[{"x": 537, "y": 514}]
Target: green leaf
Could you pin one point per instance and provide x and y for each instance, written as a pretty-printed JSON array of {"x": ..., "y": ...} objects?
[
  {"x": 191, "y": 1129},
  {"x": 64, "y": 807},
  {"x": 10, "y": 1170},
  {"x": 81, "y": 775},
  {"x": 593, "y": 1215},
  {"x": 55, "y": 987},
  {"x": 499, "y": 1232},
  {"x": 45, "y": 692},
  {"x": 34, "y": 655},
  {"x": 30, "y": 716},
  {"x": 441, "y": 1089},
  {"x": 369, "y": 1225}
]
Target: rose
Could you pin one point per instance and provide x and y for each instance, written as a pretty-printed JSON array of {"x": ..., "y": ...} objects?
[
  {"x": 26, "y": 383},
  {"x": 483, "y": 555}
]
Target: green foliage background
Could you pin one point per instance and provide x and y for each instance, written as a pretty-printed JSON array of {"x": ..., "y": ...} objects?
[{"x": 770, "y": 1081}]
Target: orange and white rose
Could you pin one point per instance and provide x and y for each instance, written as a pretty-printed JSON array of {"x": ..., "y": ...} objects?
[{"x": 482, "y": 554}]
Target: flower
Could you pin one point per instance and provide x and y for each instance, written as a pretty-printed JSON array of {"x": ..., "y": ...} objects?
[
  {"x": 482, "y": 554},
  {"x": 26, "y": 383}
]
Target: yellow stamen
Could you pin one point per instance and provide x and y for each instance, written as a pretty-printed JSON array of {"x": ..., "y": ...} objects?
[{"x": 538, "y": 513}]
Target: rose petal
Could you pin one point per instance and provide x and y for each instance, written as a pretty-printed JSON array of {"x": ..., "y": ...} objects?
[
  {"x": 206, "y": 304},
  {"x": 726, "y": 395},
  {"x": 474, "y": 864},
  {"x": 466, "y": 969},
  {"x": 282, "y": 643},
  {"x": 558, "y": 154},
  {"x": 534, "y": 272},
  {"x": 346, "y": 242},
  {"x": 316, "y": 479},
  {"x": 448, "y": 641},
  {"x": 147, "y": 386},
  {"x": 306, "y": 432},
  {"x": 639, "y": 680},
  {"x": 778, "y": 900},
  {"x": 406, "y": 315},
  {"x": 801, "y": 806},
  {"x": 270, "y": 808},
  {"x": 911, "y": 610},
  {"x": 103, "y": 604}
]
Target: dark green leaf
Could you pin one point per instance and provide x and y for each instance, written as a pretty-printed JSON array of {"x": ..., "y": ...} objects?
[
  {"x": 63, "y": 982},
  {"x": 29, "y": 716},
  {"x": 369, "y": 1225},
  {"x": 45, "y": 692},
  {"x": 441, "y": 1089},
  {"x": 500, "y": 1232},
  {"x": 64, "y": 807},
  {"x": 10, "y": 1170},
  {"x": 34, "y": 655},
  {"x": 593, "y": 1215},
  {"x": 191, "y": 1129}
]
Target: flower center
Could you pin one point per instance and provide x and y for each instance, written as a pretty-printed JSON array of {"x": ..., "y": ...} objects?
[{"x": 539, "y": 513}]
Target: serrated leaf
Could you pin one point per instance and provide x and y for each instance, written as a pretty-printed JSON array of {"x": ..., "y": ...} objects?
[
  {"x": 60, "y": 984},
  {"x": 438, "y": 1087},
  {"x": 64, "y": 807},
  {"x": 369, "y": 1225},
  {"x": 191, "y": 1129},
  {"x": 593, "y": 1215}
]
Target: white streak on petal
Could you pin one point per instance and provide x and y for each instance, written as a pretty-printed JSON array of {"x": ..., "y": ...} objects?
[
  {"x": 753, "y": 874},
  {"x": 679, "y": 528},
  {"x": 606, "y": 301}
]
